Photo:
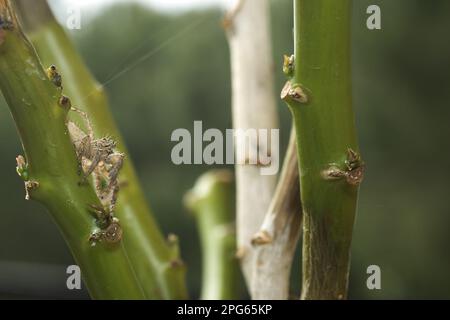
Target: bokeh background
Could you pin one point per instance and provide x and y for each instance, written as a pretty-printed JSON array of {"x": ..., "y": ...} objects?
[{"x": 401, "y": 94}]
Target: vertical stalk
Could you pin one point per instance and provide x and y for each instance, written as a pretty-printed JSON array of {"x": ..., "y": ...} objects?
[
  {"x": 50, "y": 165},
  {"x": 156, "y": 261},
  {"x": 276, "y": 241},
  {"x": 212, "y": 202},
  {"x": 254, "y": 107},
  {"x": 319, "y": 95}
]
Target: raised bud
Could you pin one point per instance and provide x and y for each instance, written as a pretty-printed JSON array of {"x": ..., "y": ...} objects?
[
  {"x": 293, "y": 93},
  {"x": 353, "y": 173},
  {"x": 288, "y": 65},
  {"x": 22, "y": 168},
  {"x": 54, "y": 76},
  {"x": 29, "y": 187},
  {"x": 355, "y": 176},
  {"x": 261, "y": 238},
  {"x": 65, "y": 103}
]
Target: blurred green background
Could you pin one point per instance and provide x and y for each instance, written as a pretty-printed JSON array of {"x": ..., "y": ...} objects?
[{"x": 401, "y": 94}]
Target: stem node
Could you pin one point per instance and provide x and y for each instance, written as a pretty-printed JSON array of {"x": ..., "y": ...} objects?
[
  {"x": 261, "y": 238},
  {"x": 65, "y": 103},
  {"x": 294, "y": 94},
  {"x": 289, "y": 65},
  {"x": 30, "y": 186}
]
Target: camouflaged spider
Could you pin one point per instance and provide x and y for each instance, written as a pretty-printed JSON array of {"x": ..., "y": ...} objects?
[
  {"x": 91, "y": 153},
  {"x": 98, "y": 152},
  {"x": 97, "y": 156}
]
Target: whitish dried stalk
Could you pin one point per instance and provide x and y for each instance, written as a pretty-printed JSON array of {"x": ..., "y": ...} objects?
[
  {"x": 254, "y": 106},
  {"x": 276, "y": 242}
]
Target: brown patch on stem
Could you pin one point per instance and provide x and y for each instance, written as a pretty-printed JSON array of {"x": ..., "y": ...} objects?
[
  {"x": 29, "y": 187},
  {"x": 261, "y": 238},
  {"x": 65, "y": 103},
  {"x": 241, "y": 252},
  {"x": 228, "y": 20}
]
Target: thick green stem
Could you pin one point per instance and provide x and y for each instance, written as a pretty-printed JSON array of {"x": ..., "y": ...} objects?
[
  {"x": 320, "y": 99},
  {"x": 212, "y": 201},
  {"x": 52, "y": 164},
  {"x": 156, "y": 262}
]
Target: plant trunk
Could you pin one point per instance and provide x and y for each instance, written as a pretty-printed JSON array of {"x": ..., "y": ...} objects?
[
  {"x": 212, "y": 202},
  {"x": 320, "y": 98},
  {"x": 277, "y": 239},
  {"x": 155, "y": 260},
  {"x": 254, "y": 107},
  {"x": 50, "y": 165}
]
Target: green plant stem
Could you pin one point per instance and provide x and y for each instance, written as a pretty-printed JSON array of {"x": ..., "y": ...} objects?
[
  {"x": 325, "y": 131},
  {"x": 212, "y": 202},
  {"x": 156, "y": 262},
  {"x": 40, "y": 120}
]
